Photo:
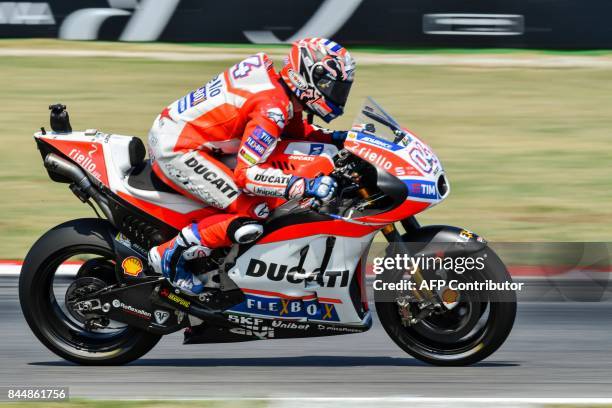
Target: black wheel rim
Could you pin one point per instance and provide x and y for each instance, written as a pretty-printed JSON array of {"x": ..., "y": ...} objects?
[
  {"x": 60, "y": 328},
  {"x": 454, "y": 335}
]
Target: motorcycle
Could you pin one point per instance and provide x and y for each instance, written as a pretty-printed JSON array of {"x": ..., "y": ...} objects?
[{"x": 305, "y": 277}]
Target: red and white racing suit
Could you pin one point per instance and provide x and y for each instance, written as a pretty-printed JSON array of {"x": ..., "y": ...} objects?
[{"x": 238, "y": 116}]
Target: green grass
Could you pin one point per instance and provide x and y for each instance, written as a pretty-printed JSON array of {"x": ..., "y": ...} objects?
[
  {"x": 247, "y": 47},
  {"x": 528, "y": 151}
]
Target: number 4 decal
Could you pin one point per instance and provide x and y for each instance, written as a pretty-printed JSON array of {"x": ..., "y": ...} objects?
[
  {"x": 244, "y": 68},
  {"x": 423, "y": 158}
]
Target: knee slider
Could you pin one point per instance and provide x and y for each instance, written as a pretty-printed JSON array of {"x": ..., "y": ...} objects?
[{"x": 244, "y": 230}]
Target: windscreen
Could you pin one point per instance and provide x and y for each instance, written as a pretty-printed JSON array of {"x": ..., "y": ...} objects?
[{"x": 385, "y": 126}]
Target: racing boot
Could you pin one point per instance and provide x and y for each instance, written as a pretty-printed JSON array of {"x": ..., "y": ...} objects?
[{"x": 170, "y": 259}]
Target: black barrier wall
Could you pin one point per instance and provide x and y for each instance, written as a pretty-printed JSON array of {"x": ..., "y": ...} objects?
[{"x": 412, "y": 23}]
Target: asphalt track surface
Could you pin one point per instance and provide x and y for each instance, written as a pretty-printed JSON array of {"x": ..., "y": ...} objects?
[{"x": 557, "y": 349}]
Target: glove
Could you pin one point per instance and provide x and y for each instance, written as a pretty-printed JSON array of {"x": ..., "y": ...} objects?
[
  {"x": 339, "y": 136},
  {"x": 322, "y": 188}
]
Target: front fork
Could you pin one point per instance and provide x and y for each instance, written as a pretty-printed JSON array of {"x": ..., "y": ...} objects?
[{"x": 394, "y": 237}]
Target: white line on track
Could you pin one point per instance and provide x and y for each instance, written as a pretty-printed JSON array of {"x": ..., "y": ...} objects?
[
  {"x": 13, "y": 269},
  {"x": 499, "y": 61},
  {"x": 456, "y": 401}
]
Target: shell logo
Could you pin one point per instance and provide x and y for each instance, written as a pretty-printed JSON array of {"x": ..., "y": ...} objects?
[
  {"x": 449, "y": 296},
  {"x": 131, "y": 266}
]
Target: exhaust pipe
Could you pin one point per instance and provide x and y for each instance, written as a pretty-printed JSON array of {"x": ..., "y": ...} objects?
[
  {"x": 62, "y": 167},
  {"x": 69, "y": 170}
]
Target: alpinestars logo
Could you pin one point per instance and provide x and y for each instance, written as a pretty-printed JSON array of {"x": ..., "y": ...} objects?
[
  {"x": 262, "y": 210},
  {"x": 276, "y": 116}
]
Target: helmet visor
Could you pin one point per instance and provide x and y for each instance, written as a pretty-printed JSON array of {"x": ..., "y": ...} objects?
[{"x": 335, "y": 91}]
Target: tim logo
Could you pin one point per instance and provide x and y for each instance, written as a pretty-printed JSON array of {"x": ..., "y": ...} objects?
[{"x": 315, "y": 149}]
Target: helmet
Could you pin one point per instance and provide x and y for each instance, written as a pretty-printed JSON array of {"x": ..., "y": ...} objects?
[{"x": 320, "y": 73}]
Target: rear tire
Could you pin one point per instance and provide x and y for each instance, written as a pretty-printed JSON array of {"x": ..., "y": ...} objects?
[{"x": 42, "y": 310}]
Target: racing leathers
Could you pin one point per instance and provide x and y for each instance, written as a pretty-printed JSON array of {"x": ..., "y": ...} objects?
[{"x": 211, "y": 144}]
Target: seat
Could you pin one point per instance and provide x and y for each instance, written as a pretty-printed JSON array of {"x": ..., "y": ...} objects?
[{"x": 143, "y": 177}]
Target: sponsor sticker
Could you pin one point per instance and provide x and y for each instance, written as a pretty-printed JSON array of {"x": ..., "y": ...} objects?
[
  {"x": 182, "y": 104},
  {"x": 86, "y": 160},
  {"x": 301, "y": 157},
  {"x": 129, "y": 309},
  {"x": 297, "y": 80},
  {"x": 247, "y": 157},
  {"x": 466, "y": 235},
  {"x": 272, "y": 178},
  {"x": 132, "y": 266},
  {"x": 266, "y": 191},
  {"x": 210, "y": 90},
  {"x": 262, "y": 210},
  {"x": 292, "y": 274},
  {"x": 251, "y": 326},
  {"x": 213, "y": 178},
  {"x": 262, "y": 136},
  {"x": 257, "y": 148},
  {"x": 316, "y": 149},
  {"x": 165, "y": 293},
  {"x": 123, "y": 240},
  {"x": 161, "y": 316},
  {"x": 309, "y": 308},
  {"x": 423, "y": 189},
  {"x": 197, "y": 96},
  {"x": 276, "y": 115},
  {"x": 362, "y": 137}
]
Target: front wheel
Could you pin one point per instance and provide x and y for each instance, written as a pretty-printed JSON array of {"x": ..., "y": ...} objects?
[
  {"x": 81, "y": 249},
  {"x": 472, "y": 330}
]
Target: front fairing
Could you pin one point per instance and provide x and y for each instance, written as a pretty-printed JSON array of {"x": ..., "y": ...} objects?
[{"x": 403, "y": 155}]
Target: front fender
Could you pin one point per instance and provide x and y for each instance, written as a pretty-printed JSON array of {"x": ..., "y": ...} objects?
[{"x": 429, "y": 240}]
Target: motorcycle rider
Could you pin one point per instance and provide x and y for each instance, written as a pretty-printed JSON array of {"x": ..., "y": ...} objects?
[{"x": 240, "y": 114}]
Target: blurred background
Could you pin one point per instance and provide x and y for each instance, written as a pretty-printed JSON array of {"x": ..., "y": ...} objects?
[{"x": 514, "y": 96}]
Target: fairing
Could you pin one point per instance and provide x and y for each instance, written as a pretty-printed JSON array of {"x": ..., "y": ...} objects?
[{"x": 306, "y": 267}]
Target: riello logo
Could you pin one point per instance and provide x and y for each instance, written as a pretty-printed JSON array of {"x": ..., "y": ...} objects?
[{"x": 85, "y": 161}]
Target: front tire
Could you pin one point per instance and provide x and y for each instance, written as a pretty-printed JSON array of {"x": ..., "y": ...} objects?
[
  {"x": 434, "y": 341},
  {"x": 43, "y": 311}
]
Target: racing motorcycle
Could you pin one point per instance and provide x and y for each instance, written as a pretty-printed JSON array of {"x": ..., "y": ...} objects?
[{"x": 89, "y": 296}]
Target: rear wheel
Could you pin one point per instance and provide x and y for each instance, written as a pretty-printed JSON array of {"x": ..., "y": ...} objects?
[
  {"x": 472, "y": 330},
  {"x": 68, "y": 260}
]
